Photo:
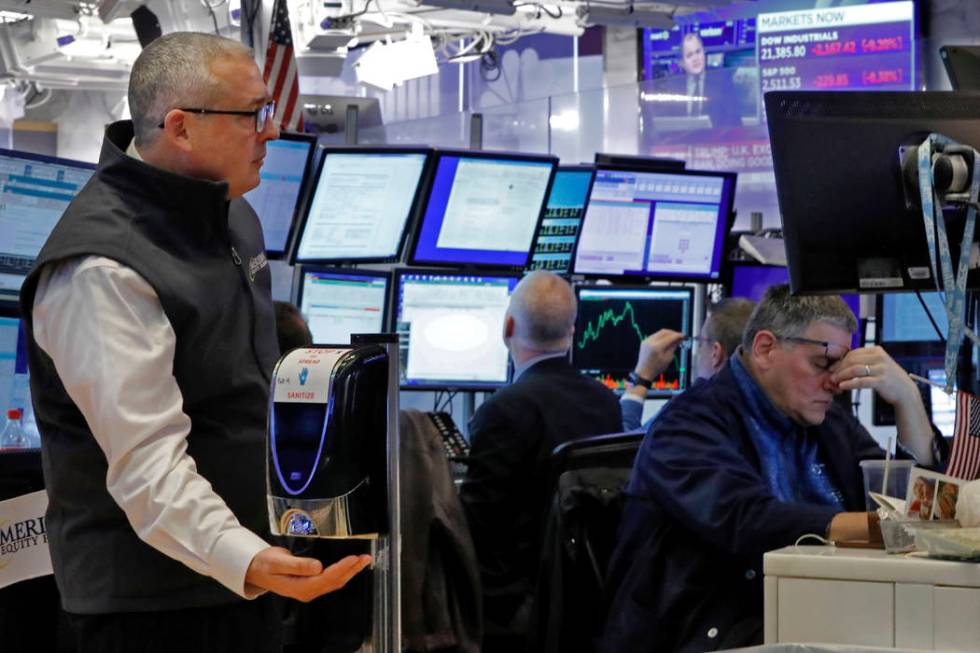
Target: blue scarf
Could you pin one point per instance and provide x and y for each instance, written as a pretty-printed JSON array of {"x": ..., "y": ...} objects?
[{"x": 788, "y": 453}]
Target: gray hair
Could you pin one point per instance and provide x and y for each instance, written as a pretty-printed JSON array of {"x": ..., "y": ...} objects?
[
  {"x": 175, "y": 70},
  {"x": 726, "y": 322},
  {"x": 786, "y": 315},
  {"x": 543, "y": 307}
]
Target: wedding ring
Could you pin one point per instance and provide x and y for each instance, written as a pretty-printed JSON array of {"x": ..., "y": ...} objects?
[{"x": 867, "y": 370}]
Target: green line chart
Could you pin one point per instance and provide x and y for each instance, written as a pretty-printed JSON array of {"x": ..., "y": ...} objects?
[{"x": 611, "y": 318}]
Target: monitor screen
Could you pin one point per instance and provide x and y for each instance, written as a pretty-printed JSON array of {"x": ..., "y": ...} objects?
[
  {"x": 362, "y": 203},
  {"x": 556, "y": 236},
  {"x": 276, "y": 198},
  {"x": 483, "y": 209},
  {"x": 611, "y": 324},
  {"x": 828, "y": 248},
  {"x": 905, "y": 332},
  {"x": 14, "y": 386},
  {"x": 451, "y": 328},
  {"x": 904, "y": 320},
  {"x": 35, "y": 191},
  {"x": 337, "y": 303},
  {"x": 665, "y": 225}
]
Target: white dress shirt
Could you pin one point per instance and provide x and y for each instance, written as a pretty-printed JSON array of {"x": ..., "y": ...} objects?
[{"x": 113, "y": 348}]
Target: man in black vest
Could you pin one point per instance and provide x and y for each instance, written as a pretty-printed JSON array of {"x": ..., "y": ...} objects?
[
  {"x": 505, "y": 493},
  {"x": 152, "y": 341}
]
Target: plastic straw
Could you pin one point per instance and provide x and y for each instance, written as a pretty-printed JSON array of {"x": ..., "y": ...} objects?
[{"x": 888, "y": 460}]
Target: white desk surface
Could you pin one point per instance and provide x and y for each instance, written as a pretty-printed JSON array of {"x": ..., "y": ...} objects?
[{"x": 868, "y": 565}]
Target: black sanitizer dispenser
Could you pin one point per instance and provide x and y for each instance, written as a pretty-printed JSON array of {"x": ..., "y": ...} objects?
[{"x": 332, "y": 463}]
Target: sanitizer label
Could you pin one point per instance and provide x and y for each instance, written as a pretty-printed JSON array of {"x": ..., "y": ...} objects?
[{"x": 304, "y": 376}]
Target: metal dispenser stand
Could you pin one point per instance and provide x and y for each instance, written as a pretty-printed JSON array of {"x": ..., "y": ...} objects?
[{"x": 387, "y": 630}]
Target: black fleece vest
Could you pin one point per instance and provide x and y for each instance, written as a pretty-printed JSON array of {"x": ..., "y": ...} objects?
[{"x": 205, "y": 259}]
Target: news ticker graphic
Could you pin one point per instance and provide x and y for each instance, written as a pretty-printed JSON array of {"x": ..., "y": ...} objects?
[{"x": 854, "y": 47}]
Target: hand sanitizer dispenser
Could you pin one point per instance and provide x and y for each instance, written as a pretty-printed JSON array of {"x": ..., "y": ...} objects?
[
  {"x": 332, "y": 474},
  {"x": 327, "y": 443}
]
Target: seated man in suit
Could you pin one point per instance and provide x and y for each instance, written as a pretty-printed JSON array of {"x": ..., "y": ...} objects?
[
  {"x": 745, "y": 463},
  {"x": 721, "y": 333},
  {"x": 505, "y": 492}
]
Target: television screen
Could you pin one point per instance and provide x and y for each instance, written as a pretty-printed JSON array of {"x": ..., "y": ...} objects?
[
  {"x": 337, "y": 303},
  {"x": 657, "y": 225},
  {"x": 34, "y": 192},
  {"x": 276, "y": 199},
  {"x": 709, "y": 110},
  {"x": 613, "y": 321},
  {"x": 555, "y": 240},
  {"x": 362, "y": 203},
  {"x": 482, "y": 209},
  {"x": 451, "y": 328}
]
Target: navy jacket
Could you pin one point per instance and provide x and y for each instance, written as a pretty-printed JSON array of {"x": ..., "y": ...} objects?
[
  {"x": 686, "y": 575},
  {"x": 507, "y": 489}
]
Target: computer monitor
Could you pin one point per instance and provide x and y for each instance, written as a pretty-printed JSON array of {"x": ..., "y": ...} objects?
[
  {"x": 34, "y": 192},
  {"x": 846, "y": 223},
  {"x": 962, "y": 66},
  {"x": 903, "y": 330},
  {"x": 451, "y": 328},
  {"x": 655, "y": 225},
  {"x": 482, "y": 209},
  {"x": 555, "y": 239},
  {"x": 14, "y": 386},
  {"x": 362, "y": 202},
  {"x": 613, "y": 321},
  {"x": 277, "y": 198},
  {"x": 337, "y": 302}
]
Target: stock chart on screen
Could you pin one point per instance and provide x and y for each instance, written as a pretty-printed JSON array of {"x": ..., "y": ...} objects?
[{"x": 611, "y": 324}]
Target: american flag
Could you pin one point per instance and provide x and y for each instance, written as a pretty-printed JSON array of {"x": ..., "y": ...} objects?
[
  {"x": 281, "y": 76},
  {"x": 964, "y": 461}
]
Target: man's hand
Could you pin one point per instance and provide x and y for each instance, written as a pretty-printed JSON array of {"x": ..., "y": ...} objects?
[
  {"x": 277, "y": 570},
  {"x": 656, "y": 353},
  {"x": 872, "y": 367},
  {"x": 848, "y": 526}
]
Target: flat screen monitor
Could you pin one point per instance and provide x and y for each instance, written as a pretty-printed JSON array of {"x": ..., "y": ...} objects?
[
  {"x": 277, "y": 198},
  {"x": 613, "y": 321},
  {"x": 363, "y": 200},
  {"x": 555, "y": 240},
  {"x": 962, "y": 66},
  {"x": 14, "y": 385},
  {"x": 846, "y": 223},
  {"x": 337, "y": 303},
  {"x": 655, "y": 225},
  {"x": 482, "y": 209},
  {"x": 905, "y": 332},
  {"x": 451, "y": 328},
  {"x": 34, "y": 192}
]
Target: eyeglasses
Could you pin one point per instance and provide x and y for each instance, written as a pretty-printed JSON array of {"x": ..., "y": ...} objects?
[
  {"x": 694, "y": 341},
  {"x": 831, "y": 350},
  {"x": 262, "y": 114}
]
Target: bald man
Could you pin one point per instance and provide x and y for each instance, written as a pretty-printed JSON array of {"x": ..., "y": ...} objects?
[{"x": 505, "y": 493}]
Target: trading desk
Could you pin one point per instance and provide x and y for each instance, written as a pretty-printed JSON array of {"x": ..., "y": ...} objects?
[{"x": 867, "y": 597}]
